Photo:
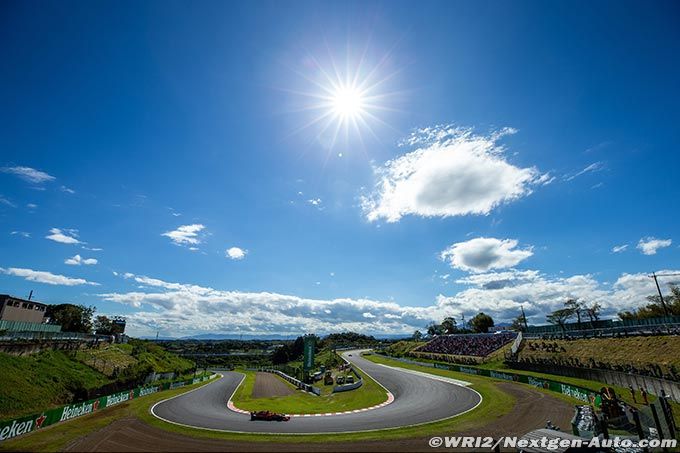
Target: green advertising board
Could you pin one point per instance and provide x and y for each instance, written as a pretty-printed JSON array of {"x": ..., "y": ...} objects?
[
  {"x": 13, "y": 428},
  {"x": 308, "y": 357}
]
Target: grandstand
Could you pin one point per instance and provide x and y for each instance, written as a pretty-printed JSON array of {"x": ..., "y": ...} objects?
[{"x": 470, "y": 345}]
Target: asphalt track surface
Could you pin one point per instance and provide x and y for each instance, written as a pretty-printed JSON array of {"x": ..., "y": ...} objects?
[{"x": 417, "y": 400}]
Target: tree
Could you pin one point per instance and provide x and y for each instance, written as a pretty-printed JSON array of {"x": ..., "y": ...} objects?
[
  {"x": 576, "y": 307},
  {"x": 654, "y": 309},
  {"x": 560, "y": 317},
  {"x": 593, "y": 311},
  {"x": 71, "y": 318},
  {"x": 105, "y": 326},
  {"x": 449, "y": 325},
  {"x": 518, "y": 323},
  {"x": 481, "y": 323},
  {"x": 280, "y": 356},
  {"x": 417, "y": 335},
  {"x": 434, "y": 329}
]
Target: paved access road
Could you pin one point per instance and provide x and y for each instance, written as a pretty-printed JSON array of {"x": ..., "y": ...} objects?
[{"x": 417, "y": 399}]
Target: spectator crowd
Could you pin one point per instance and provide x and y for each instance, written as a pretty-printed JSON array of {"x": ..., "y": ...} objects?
[{"x": 478, "y": 345}]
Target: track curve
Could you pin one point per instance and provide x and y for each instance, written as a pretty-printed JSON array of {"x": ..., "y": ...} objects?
[{"x": 417, "y": 400}]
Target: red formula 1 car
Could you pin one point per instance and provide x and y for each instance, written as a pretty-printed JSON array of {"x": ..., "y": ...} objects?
[{"x": 269, "y": 416}]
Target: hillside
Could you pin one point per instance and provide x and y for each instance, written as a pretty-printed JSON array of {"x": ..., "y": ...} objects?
[
  {"x": 132, "y": 359},
  {"x": 40, "y": 381},
  {"x": 52, "y": 378},
  {"x": 640, "y": 352}
]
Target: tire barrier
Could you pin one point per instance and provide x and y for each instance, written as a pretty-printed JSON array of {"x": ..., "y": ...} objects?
[{"x": 23, "y": 425}]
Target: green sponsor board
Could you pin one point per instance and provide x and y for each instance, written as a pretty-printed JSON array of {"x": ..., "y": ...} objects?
[
  {"x": 13, "y": 428},
  {"x": 579, "y": 393},
  {"x": 308, "y": 352}
]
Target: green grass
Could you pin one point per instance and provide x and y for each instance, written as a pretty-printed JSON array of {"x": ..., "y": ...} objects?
[
  {"x": 637, "y": 351},
  {"x": 42, "y": 381},
  {"x": 48, "y": 379},
  {"x": 495, "y": 404},
  {"x": 369, "y": 394}
]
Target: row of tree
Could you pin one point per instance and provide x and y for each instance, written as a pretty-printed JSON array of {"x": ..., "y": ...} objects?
[
  {"x": 580, "y": 310},
  {"x": 81, "y": 319},
  {"x": 480, "y": 323}
]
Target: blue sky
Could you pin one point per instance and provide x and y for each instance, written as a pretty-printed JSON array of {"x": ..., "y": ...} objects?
[{"x": 504, "y": 154}]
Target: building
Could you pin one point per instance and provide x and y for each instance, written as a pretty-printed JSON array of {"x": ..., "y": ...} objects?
[{"x": 15, "y": 309}]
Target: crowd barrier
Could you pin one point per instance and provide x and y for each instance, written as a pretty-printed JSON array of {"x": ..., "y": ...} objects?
[{"x": 23, "y": 425}]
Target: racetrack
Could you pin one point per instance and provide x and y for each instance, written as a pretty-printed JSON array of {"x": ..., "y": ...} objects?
[{"x": 418, "y": 399}]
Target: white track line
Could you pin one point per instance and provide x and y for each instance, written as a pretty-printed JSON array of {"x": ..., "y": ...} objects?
[
  {"x": 393, "y": 428},
  {"x": 390, "y": 400}
]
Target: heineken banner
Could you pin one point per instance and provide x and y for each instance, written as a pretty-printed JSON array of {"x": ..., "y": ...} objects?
[
  {"x": 308, "y": 358},
  {"x": 580, "y": 393},
  {"x": 14, "y": 428}
]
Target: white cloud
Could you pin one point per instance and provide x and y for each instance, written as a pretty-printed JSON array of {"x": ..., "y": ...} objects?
[
  {"x": 77, "y": 260},
  {"x": 184, "y": 309},
  {"x": 93, "y": 249},
  {"x": 453, "y": 173},
  {"x": 592, "y": 168},
  {"x": 650, "y": 245},
  {"x": 29, "y": 174},
  {"x": 483, "y": 254},
  {"x": 45, "y": 277},
  {"x": 67, "y": 190},
  {"x": 619, "y": 248},
  {"x": 66, "y": 236},
  {"x": 6, "y": 202},
  {"x": 21, "y": 233},
  {"x": 31, "y": 205},
  {"x": 235, "y": 253},
  {"x": 314, "y": 201},
  {"x": 186, "y": 234}
]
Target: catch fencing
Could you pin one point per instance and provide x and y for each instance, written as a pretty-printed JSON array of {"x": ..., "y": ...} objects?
[{"x": 24, "y": 425}]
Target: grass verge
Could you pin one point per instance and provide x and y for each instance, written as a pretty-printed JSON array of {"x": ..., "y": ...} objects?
[
  {"x": 369, "y": 394},
  {"x": 495, "y": 404}
]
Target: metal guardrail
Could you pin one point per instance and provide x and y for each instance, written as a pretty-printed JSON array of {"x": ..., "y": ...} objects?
[{"x": 296, "y": 382}]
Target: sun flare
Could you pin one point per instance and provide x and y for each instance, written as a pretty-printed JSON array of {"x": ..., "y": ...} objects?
[{"x": 347, "y": 102}]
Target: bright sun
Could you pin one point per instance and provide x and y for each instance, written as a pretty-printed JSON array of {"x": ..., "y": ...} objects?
[
  {"x": 347, "y": 102},
  {"x": 344, "y": 105}
]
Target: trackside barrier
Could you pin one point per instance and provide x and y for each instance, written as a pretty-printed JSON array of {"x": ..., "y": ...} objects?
[
  {"x": 580, "y": 393},
  {"x": 346, "y": 387},
  {"x": 296, "y": 382},
  {"x": 13, "y": 428}
]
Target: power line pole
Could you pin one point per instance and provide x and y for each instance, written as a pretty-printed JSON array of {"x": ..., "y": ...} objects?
[{"x": 658, "y": 288}]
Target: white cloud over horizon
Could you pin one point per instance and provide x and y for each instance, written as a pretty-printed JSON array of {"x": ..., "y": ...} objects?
[
  {"x": 45, "y": 277},
  {"x": 77, "y": 260},
  {"x": 186, "y": 234},
  {"x": 483, "y": 254},
  {"x": 29, "y": 174},
  {"x": 650, "y": 245},
  {"x": 619, "y": 248},
  {"x": 179, "y": 309},
  {"x": 453, "y": 173},
  {"x": 66, "y": 236}
]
